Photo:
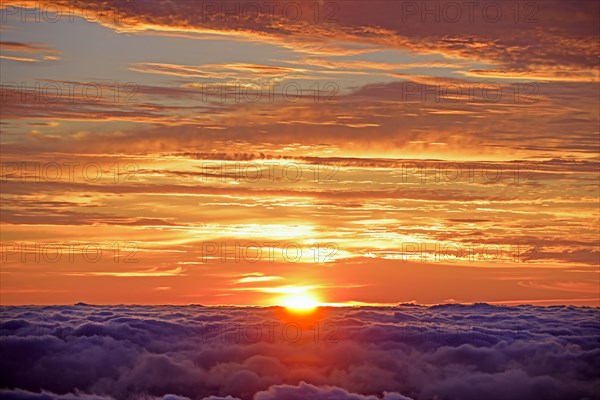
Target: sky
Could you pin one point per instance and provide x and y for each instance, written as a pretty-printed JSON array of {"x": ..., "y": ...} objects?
[{"x": 342, "y": 152}]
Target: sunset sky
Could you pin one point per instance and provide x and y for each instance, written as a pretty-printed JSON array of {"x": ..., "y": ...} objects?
[{"x": 234, "y": 153}]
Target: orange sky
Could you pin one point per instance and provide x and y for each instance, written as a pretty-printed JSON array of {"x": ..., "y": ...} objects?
[{"x": 166, "y": 153}]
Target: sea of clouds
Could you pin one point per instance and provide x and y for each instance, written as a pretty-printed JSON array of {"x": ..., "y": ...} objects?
[{"x": 192, "y": 352}]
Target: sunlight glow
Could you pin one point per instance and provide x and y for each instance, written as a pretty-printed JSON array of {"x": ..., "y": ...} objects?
[{"x": 300, "y": 303}]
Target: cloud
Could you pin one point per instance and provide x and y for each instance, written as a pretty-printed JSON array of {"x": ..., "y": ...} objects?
[
  {"x": 26, "y": 52},
  {"x": 305, "y": 391},
  {"x": 153, "y": 272},
  {"x": 555, "y": 40},
  {"x": 256, "y": 277},
  {"x": 212, "y": 71},
  {"x": 451, "y": 351},
  {"x": 432, "y": 117},
  {"x": 14, "y": 58},
  {"x": 19, "y": 394},
  {"x": 26, "y": 395}
]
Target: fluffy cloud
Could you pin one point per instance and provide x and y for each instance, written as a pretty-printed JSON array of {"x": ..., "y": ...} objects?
[
  {"x": 368, "y": 353},
  {"x": 306, "y": 391},
  {"x": 19, "y": 394}
]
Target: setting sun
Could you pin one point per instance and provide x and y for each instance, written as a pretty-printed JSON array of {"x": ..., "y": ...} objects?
[{"x": 300, "y": 303}]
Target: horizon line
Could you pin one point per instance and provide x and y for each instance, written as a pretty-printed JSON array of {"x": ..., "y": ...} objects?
[{"x": 510, "y": 303}]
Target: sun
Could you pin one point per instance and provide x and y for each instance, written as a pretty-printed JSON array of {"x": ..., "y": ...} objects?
[{"x": 300, "y": 303}]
